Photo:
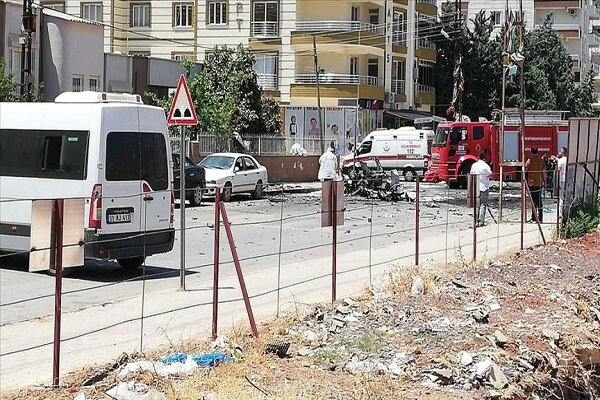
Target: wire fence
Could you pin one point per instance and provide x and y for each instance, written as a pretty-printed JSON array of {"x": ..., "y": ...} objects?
[{"x": 285, "y": 255}]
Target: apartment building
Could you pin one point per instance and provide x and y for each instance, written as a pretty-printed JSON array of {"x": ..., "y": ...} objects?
[
  {"x": 371, "y": 53},
  {"x": 573, "y": 19}
]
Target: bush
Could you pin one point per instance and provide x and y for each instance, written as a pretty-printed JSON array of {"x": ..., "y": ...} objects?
[{"x": 581, "y": 221}]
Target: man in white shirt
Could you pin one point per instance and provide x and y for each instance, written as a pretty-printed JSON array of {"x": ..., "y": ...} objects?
[
  {"x": 328, "y": 164},
  {"x": 483, "y": 172},
  {"x": 562, "y": 171}
]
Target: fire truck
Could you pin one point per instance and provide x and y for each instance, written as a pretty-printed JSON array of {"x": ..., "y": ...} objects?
[{"x": 456, "y": 145}]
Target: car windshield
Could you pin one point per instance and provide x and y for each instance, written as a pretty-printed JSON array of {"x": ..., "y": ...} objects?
[
  {"x": 218, "y": 162},
  {"x": 441, "y": 136}
]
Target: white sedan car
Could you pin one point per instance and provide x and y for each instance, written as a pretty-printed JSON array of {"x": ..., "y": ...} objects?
[{"x": 234, "y": 173}]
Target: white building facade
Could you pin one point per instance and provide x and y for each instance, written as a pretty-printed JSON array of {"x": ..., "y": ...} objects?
[{"x": 374, "y": 53}]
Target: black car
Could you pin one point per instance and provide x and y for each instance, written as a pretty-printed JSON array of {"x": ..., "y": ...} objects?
[{"x": 195, "y": 182}]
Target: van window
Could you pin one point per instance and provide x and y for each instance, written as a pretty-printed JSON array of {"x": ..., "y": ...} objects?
[
  {"x": 132, "y": 156},
  {"x": 43, "y": 154},
  {"x": 457, "y": 135}
]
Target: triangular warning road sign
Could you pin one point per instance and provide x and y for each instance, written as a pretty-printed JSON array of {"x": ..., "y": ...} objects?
[{"x": 182, "y": 110}]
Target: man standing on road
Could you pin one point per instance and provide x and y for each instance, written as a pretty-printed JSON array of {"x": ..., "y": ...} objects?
[
  {"x": 483, "y": 172},
  {"x": 535, "y": 169},
  {"x": 328, "y": 164},
  {"x": 562, "y": 171}
]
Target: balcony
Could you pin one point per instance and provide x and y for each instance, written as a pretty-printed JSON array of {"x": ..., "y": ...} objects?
[
  {"x": 339, "y": 79},
  {"x": 339, "y": 26},
  {"x": 267, "y": 81},
  {"x": 425, "y": 88},
  {"x": 399, "y": 86},
  {"x": 264, "y": 29},
  {"x": 557, "y": 4},
  {"x": 424, "y": 43},
  {"x": 433, "y": 2}
]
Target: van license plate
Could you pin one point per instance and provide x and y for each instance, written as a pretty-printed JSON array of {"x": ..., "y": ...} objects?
[{"x": 119, "y": 215}]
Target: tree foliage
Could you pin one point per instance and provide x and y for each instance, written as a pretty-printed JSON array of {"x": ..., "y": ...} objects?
[
  {"x": 228, "y": 97},
  {"x": 550, "y": 83},
  {"x": 8, "y": 88}
]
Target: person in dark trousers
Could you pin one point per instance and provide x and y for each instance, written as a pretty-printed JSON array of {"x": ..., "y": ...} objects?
[
  {"x": 550, "y": 166},
  {"x": 535, "y": 169}
]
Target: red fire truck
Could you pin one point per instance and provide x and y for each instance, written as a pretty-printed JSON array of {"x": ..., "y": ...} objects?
[{"x": 456, "y": 145}]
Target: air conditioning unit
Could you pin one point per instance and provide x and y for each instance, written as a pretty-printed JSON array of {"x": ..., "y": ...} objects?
[{"x": 391, "y": 97}]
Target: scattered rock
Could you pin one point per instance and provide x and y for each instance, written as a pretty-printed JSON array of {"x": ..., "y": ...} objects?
[
  {"x": 418, "y": 287},
  {"x": 550, "y": 334},
  {"x": 500, "y": 338},
  {"x": 444, "y": 375},
  {"x": 209, "y": 396},
  {"x": 483, "y": 367},
  {"x": 344, "y": 310},
  {"x": 465, "y": 359},
  {"x": 311, "y": 336},
  {"x": 479, "y": 314},
  {"x": 497, "y": 378},
  {"x": 305, "y": 351},
  {"x": 350, "y": 303},
  {"x": 394, "y": 369}
]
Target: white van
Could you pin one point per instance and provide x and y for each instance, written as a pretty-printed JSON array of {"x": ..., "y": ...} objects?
[
  {"x": 109, "y": 149},
  {"x": 405, "y": 149}
]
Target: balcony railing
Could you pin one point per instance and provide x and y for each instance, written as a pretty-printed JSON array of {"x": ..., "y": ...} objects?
[
  {"x": 424, "y": 43},
  {"x": 399, "y": 86},
  {"x": 434, "y": 2},
  {"x": 265, "y": 29},
  {"x": 339, "y": 26},
  {"x": 339, "y": 79},
  {"x": 267, "y": 81},
  {"x": 425, "y": 88}
]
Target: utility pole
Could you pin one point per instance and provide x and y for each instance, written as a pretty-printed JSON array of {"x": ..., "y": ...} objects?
[
  {"x": 318, "y": 94},
  {"x": 522, "y": 116},
  {"x": 502, "y": 112},
  {"x": 29, "y": 23}
]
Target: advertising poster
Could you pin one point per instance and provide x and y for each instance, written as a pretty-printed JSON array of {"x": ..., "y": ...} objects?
[
  {"x": 294, "y": 122},
  {"x": 334, "y": 127},
  {"x": 311, "y": 122},
  {"x": 351, "y": 128}
]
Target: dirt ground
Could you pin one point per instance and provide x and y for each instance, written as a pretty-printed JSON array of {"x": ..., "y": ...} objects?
[{"x": 526, "y": 326}]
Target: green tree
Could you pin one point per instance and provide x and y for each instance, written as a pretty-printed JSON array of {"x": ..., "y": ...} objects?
[
  {"x": 7, "y": 86},
  {"x": 228, "y": 97}
]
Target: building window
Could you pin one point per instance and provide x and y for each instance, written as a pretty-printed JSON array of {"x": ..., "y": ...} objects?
[
  {"x": 57, "y": 6},
  {"x": 265, "y": 18},
  {"x": 399, "y": 31},
  {"x": 181, "y": 56},
  {"x": 140, "y": 14},
  {"x": 496, "y": 17},
  {"x": 77, "y": 83},
  {"x": 266, "y": 69},
  {"x": 353, "y": 65},
  {"x": 217, "y": 13},
  {"x": 374, "y": 16},
  {"x": 354, "y": 14},
  {"x": 91, "y": 11},
  {"x": 183, "y": 14},
  {"x": 94, "y": 84},
  {"x": 426, "y": 81},
  {"x": 373, "y": 67}
]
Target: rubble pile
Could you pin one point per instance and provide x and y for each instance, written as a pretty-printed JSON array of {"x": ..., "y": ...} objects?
[{"x": 523, "y": 328}]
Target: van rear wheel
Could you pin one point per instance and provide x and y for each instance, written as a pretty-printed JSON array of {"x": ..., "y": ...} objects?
[{"x": 131, "y": 263}]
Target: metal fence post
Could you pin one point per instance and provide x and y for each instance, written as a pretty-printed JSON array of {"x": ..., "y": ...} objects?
[
  {"x": 474, "y": 181},
  {"x": 334, "y": 240},
  {"x": 417, "y": 219},
  {"x": 58, "y": 252},
  {"x": 216, "y": 251}
]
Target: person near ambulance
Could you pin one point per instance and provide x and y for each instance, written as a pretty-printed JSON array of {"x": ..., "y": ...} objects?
[
  {"x": 328, "y": 164},
  {"x": 483, "y": 172}
]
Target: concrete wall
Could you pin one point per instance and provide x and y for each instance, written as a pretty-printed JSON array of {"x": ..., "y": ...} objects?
[
  {"x": 290, "y": 168},
  {"x": 70, "y": 49}
]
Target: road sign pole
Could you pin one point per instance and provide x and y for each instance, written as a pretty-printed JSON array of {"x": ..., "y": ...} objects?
[
  {"x": 182, "y": 207},
  {"x": 58, "y": 211}
]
